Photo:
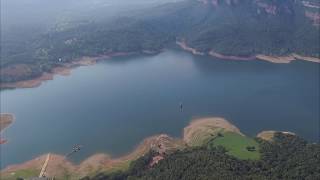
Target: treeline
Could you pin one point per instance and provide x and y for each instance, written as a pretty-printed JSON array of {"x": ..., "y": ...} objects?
[
  {"x": 287, "y": 157},
  {"x": 247, "y": 29},
  {"x": 242, "y": 29}
]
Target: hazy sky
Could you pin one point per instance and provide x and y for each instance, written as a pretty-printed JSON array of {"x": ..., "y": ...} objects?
[{"x": 41, "y": 11}]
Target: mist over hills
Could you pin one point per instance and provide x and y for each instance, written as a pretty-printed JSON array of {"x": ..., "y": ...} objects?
[{"x": 230, "y": 27}]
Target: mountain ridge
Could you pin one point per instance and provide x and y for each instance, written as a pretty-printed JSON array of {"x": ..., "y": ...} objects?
[{"x": 240, "y": 28}]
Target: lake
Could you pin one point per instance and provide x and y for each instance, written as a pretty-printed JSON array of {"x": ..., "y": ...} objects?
[{"x": 112, "y": 106}]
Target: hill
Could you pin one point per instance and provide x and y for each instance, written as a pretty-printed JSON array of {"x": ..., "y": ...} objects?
[
  {"x": 286, "y": 157},
  {"x": 211, "y": 148},
  {"x": 222, "y": 28}
]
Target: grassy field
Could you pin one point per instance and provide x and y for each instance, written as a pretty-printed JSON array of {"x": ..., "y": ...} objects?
[
  {"x": 236, "y": 145},
  {"x": 26, "y": 173}
]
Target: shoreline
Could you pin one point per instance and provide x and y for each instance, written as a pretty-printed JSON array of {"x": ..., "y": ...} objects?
[
  {"x": 184, "y": 46},
  {"x": 64, "y": 70},
  {"x": 106, "y": 162},
  {"x": 6, "y": 119},
  {"x": 273, "y": 59},
  {"x": 99, "y": 161},
  {"x": 225, "y": 57},
  {"x": 194, "y": 134}
]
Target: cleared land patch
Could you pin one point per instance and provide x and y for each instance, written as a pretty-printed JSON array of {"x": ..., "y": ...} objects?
[
  {"x": 239, "y": 146},
  {"x": 201, "y": 131}
]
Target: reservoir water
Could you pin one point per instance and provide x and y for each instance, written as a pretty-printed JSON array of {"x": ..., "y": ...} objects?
[{"x": 112, "y": 106}]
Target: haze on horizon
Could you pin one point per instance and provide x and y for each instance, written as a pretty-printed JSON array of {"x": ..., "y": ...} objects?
[{"x": 37, "y": 12}]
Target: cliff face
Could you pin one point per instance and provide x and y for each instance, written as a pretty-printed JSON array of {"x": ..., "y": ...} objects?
[
  {"x": 272, "y": 27},
  {"x": 311, "y": 8},
  {"x": 312, "y": 11},
  {"x": 219, "y": 2}
]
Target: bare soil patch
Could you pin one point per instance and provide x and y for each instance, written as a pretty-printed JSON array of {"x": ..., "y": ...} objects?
[{"x": 200, "y": 130}]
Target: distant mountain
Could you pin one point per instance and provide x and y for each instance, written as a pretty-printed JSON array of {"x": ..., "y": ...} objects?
[{"x": 240, "y": 28}]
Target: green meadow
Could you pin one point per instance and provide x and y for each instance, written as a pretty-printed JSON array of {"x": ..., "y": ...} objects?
[{"x": 237, "y": 145}]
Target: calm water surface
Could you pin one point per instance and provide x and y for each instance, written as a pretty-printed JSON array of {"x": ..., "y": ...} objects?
[{"x": 110, "y": 107}]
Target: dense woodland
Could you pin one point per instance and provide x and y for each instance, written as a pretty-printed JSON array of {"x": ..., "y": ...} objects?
[
  {"x": 287, "y": 157},
  {"x": 241, "y": 29}
]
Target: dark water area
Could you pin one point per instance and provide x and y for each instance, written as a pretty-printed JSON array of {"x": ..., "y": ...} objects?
[{"x": 112, "y": 106}]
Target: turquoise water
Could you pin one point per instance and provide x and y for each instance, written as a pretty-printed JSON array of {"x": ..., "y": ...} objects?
[{"x": 113, "y": 105}]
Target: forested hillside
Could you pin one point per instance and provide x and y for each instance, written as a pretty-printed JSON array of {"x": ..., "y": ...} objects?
[
  {"x": 286, "y": 157},
  {"x": 229, "y": 27}
]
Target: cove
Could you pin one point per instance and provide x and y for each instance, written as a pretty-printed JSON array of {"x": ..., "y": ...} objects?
[{"x": 113, "y": 105}]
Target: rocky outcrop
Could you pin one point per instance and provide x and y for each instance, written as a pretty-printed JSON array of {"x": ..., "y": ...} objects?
[
  {"x": 185, "y": 47},
  {"x": 268, "y": 8},
  {"x": 216, "y": 3},
  {"x": 268, "y": 135},
  {"x": 313, "y": 5},
  {"x": 314, "y": 17}
]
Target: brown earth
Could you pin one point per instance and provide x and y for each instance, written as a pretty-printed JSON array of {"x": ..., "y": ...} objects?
[
  {"x": 18, "y": 70},
  {"x": 5, "y": 120},
  {"x": 60, "y": 167},
  {"x": 64, "y": 70},
  {"x": 185, "y": 47},
  {"x": 274, "y": 59},
  {"x": 22, "y": 70},
  {"x": 196, "y": 133},
  {"x": 200, "y": 130},
  {"x": 225, "y": 57},
  {"x": 307, "y": 58},
  {"x": 268, "y": 135}
]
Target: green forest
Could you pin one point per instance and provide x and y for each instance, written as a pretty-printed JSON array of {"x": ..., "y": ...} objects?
[
  {"x": 242, "y": 29},
  {"x": 285, "y": 157}
]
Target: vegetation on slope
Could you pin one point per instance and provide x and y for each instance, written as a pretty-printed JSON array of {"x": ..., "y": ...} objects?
[
  {"x": 239, "y": 146},
  {"x": 223, "y": 154},
  {"x": 287, "y": 157},
  {"x": 240, "y": 29},
  {"x": 26, "y": 173}
]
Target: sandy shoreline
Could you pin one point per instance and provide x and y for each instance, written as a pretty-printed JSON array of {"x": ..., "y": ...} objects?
[
  {"x": 58, "y": 164},
  {"x": 268, "y": 135},
  {"x": 159, "y": 143},
  {"x": 225, "y": 57},
  {"x": 274, "y": 59},
  {"x": 193, "y": 135},
  {"x": 64, "y": 70},
  {"x": 288, "y": 58},
  {"x": 184, "y": 46},
  {"x": 6, "y": 120}
]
